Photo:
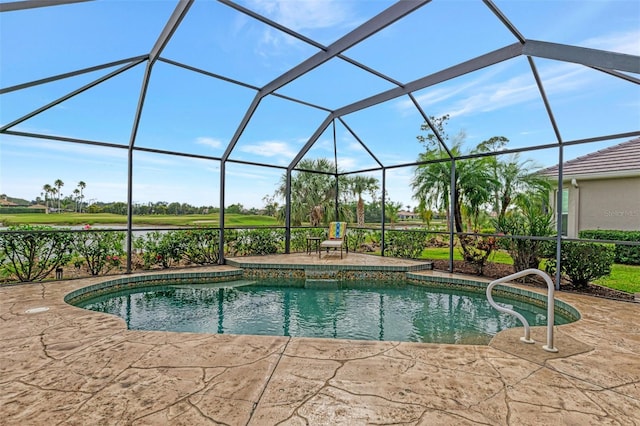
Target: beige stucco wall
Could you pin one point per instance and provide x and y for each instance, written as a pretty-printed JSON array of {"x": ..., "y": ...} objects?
[{"x": 604, "y": 204}]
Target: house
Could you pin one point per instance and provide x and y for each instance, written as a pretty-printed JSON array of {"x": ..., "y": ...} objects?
[
  {"x": 407, "y": 215},
  {"x": 600, "y": 190}
]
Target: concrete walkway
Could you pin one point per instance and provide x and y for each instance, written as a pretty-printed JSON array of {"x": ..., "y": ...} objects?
[{"x": 70, "y": 366}]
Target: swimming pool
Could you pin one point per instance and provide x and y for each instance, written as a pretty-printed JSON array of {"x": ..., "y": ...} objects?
[{"x": 354, "y": 310}]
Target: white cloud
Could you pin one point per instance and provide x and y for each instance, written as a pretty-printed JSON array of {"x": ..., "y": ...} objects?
[
  {"x": 270, "y": 149},
  {"x": 207, "y": 141},
  {"x": 622, "y": 42},
  {"x": 307, "y": 14},
  {"x": 484, "y": 93}
]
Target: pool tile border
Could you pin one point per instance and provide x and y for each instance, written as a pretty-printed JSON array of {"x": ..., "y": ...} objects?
[
  {"x": 128, "y": 282},
  {"x": 319, "y": 272}
]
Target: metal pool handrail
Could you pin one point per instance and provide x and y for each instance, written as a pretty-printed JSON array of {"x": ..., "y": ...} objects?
[{"x": 550, "y": 306}]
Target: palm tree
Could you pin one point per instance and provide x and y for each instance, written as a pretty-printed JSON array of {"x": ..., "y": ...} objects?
[
  {"x": 472, "y": 185},
  {"x": 76, "y": 194},
  {"x": 47, "y": 192},
  {"x": 81, "y": 187},
  {"x": 58, "y": 184},
  {"x": 391, "y": 211},
  {"x": 358, "y": 185},
  {"x": 312, "y": 193},
  {"x": 513, "y": 177}
]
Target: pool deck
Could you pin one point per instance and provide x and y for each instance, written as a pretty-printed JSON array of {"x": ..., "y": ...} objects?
[{"x": 72, "y": 366}]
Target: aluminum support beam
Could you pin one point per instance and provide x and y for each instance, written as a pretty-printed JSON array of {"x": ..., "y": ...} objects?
[
  {"x": 543, "y": 94},
  {"x": 172, "y": 24},
  {"x": 312, "y": 140},
  {"x": 383, "y": 201},
  {"x": 504, "y": 20},
  {"x": 372, "y": 26},
  {"x": 463, "y": 68},
  {"x": 287, "y": 214},
  {"x": 559, "y": 218},
  {"x": 136, "y": 59},
  {"x": 305, "y": 39},
  {"x": 31, "y": 4},
  {"x": 430, "y": 124},
  {"x": 223, "y": 173},
  {"x": 132, "y": 140},
  {"x": 243, "y": 124},
  {"x": 582, "y": 56},
  {"x": 69, "y": 95},
  {"x": 452, "y": 214},
  {"x": 623, "y": 76},
  {"x": 366, "y": 148}
]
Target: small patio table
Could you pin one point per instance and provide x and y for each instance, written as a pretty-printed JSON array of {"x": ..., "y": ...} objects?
[{"x": 310, "y": 244}]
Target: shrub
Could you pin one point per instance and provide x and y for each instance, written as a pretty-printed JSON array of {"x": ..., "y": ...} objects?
[
  {"x": 33, "y": 252},
  {"x": 526, "y": 253},
  {"x": 476, "y": 249},
  {"x": 628, "y": 255},
  {"x": 357, "y": 237},
  {"x": 159, "y": 248},
  {"x": 299, "y": 237},
  {"x": 405, "y": 244},
  {"x": 584, "y": 262},
  {"x": 259, "y": 241},
  {"x": 200, "y": 246},
  {"x": 100, "y": 251}
]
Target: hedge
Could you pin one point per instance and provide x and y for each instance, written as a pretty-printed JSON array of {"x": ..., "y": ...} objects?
[{"x": 628, "y": 255}]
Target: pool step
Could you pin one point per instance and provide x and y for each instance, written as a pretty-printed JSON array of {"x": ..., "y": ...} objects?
[{"x": 321, "y": 278}]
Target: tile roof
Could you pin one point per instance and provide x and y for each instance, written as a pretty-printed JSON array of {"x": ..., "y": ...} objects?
[{"x": 621, "y": 159}]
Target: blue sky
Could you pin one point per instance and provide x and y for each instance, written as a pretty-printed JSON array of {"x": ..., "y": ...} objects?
[{"x": 188, "y": 112}]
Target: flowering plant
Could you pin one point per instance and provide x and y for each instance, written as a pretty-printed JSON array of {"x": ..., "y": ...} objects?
[{"x": 102, "y": 251}]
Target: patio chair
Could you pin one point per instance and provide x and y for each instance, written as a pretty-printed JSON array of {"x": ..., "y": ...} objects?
[{"x": 337, "y": 237}]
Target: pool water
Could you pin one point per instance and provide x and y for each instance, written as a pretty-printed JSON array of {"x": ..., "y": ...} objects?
[{"x": 367, "y": 311}]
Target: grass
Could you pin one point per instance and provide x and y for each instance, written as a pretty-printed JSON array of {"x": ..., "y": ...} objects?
[
  {"x": 442, "y": 253},
  {"x": 70, "y": 219},
  {"x": 623, "y": 278}
]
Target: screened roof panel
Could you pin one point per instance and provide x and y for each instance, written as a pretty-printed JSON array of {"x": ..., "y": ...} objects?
[
  {"x": 105, "y": 113},
  {"x": 41, "y": 42},
  {"x": 323, "y": 147},
  {"x": 335, "y": 84},
  {"x": 170, "y": 178},
  {"x": 607, "y": 25},
  {"x": 584, "y": 99},
  {"x": 324, "y": 21},
  {"x": 277, "y": 131},
  {"x": 27, "y": 164},
  {"x": 389, "y": 130},
  {"x": 197, "y": 114},
  {"x": 502, "y": 100},
  {"x": 190, "y": 112},
  {"x": 436, "y": 36},
  {"x": 264, "y": 181},
  {"x": 352, "y": 155},
  {"x": 17, "y": 104},
  {"x": 221, "y": 40}
]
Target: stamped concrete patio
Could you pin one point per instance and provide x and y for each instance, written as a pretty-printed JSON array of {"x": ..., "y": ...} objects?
[{"x": 67, "y": 365}]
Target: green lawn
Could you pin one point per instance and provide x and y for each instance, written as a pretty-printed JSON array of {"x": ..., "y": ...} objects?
[
  {"x": 442, "y": 253},
  {"x": 68, "y": 219},
  {"x": 623, "y": 277}
]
